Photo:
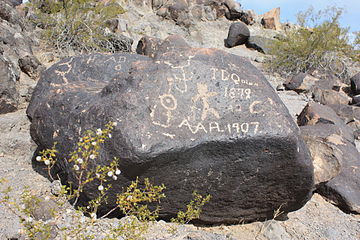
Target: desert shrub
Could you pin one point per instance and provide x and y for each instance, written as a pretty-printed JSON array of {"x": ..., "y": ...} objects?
[
  {"x": 132, "y": 202},
  {"x": 79, "y": 25},
  {"x": 318, "y": 42}
]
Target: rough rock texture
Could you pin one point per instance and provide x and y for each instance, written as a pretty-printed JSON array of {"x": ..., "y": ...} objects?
[
  {"x": 271, "y": 19},
  {"x": 238, "y": 34},
  {"x": 355, "y": 84},
  {"x": 259, "y": 43},
  {"x": 148, "y": 46},
  {"x": 335, "y": 156},
  {"x": 356, "y": 100},
  {"x": 16, "y": 56},
  {"x": 192, "y": 109},
  {"x": 8, "y": 92},
  {"x": 329, "y": 96},
  {"x": 184, "y": 12}
]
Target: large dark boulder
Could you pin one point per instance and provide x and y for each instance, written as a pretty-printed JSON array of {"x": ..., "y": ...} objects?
[
  {"x": 238, "y": 34},
  {"x": 193, "y": 119},
  {"x": 335, "y": 156},
  {"x": 8, "y": 92}
]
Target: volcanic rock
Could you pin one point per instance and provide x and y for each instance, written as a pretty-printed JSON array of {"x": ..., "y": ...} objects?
[
  {"x": 355, "y": 84},
  {"x": 335, "y": 156},
  {"x": 259, "y": 43},
  {"x": 238, "y": 34},
  {"x": 148, "y": 46},
  {"x": 190, "y": 118},
  {"x": 271, "y": 19},
  {"x": 8, "y": 92}
]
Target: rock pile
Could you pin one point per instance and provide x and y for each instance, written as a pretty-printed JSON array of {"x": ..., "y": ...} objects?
[
  {"x": 191, "y": 118},
  {"x": 16, "y": 56}
]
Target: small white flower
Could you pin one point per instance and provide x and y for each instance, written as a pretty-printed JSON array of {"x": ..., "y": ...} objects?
[
  {"x": 93, "y": 143},
  {"x": 101, "y": 187},
  {"x": 29, "y": 219},
  {"x": 92, "y": 156},
  {"x": 99, "y": 132},
  {"x": 110, "y": 174},
  {"x": 76, "y": 167},
  {"x": 47, "y": 162},
  {"x": 110, "y": 136},
  {"x": 93, "y": 215},
  {"x": 88, "y": 207},
  {"x": 38, "y": 158},
  {"x": 80, "y": 160},
  {"x": 47, "y": 198},
  {"x": 114, "y": 124},
  {"x": 22, "y": 206},
  {"x": 114, "y": 177},
  {"x": 81, "y": 139},
  {"x": 97, "y": 175},
  {"x": 68, "y": 211},
  {"x": 118, "y": 171},
  {"x": 129, "y": 198}
]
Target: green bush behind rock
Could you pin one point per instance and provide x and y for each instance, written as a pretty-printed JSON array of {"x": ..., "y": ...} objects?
[
  {"x": 79, "y": 26},
  {"x": 308, "y": 46}
]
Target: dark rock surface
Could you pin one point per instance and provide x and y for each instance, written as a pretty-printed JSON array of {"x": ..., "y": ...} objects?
[
  {"x": 238, "y": 34},
  {"x": 193, "y": 119},
  {"x": 148, "y": 46},
  {"x": 8, "y": 92},
  {"x": 259, "y": 43},
  {"x": 356, "y": 100},
  {"x": 335, "y": 156},
  {"x": 355, "y": 84}
]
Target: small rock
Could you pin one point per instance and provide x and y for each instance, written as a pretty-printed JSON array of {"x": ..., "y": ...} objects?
[
  {"x": 31, "y": 66},
  {"x": 280, "y": 87},
  {"x": 56, "y": 187},
  {"x": 259, "y": 43},
  {"x": 329, "y": 96},
  {"x": 271, "y": 19},
  {"x": 238, "y": 34},
  {"x": 148, "y": 46}
]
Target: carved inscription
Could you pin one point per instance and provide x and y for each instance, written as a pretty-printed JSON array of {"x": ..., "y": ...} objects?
[
  {"x": 200, "y": 114},
  {"x": 215, "y": 127}
]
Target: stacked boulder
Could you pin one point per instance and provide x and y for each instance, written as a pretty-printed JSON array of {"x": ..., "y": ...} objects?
[{"x": 190, "y": 118}]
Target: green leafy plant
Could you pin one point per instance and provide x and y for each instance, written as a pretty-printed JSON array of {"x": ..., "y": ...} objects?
[
  {"x": 193, "y": 209},
  {"x": 132, "y": 202},
  {"x": 313, "y": 43},
  {"x": 79, "y": 25}
]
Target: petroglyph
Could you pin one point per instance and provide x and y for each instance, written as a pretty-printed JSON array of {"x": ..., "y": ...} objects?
[
  {"x": 257, "y": 106},
  {"x": 224, "y": 75},
  {"x": 180, "y": 77},
  {"x": 215, "y": 127},
  {"x": 158, "y": 116},
  {"x": 63, "y": 73},
  {"x": 203, "y": 95},
  {"x": 241, "y": 93}
]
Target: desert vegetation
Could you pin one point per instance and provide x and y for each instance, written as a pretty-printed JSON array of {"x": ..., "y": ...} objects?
[
  {"x": 317, "y": 42},
  {"x": 79, "y": 26},
  {"x": 132, "y": 202}
]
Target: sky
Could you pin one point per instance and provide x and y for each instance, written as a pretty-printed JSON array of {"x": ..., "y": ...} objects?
[{"x": 289, "y": 9}]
